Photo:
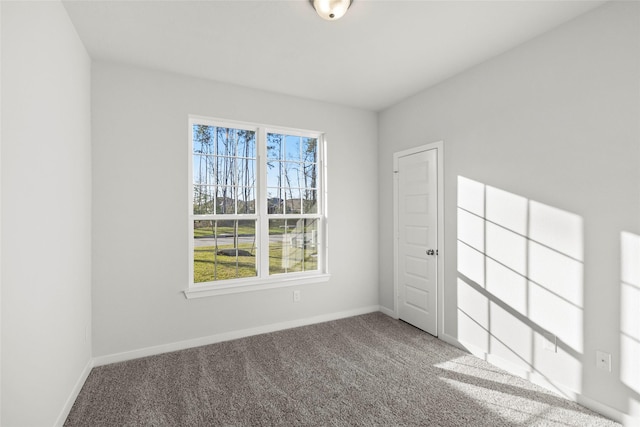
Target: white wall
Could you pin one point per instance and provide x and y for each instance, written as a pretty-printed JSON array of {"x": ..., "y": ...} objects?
[
  {"x": 140, "y": 234},
  {"x": 542, "y": 175},
  {"x": 46, "y": 212},
  {"x": 0, "y": 217}
]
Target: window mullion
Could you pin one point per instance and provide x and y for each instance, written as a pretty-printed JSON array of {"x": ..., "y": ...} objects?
[{"x": 261, "y": 199}]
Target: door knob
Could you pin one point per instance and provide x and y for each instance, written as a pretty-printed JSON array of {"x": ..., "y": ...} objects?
[{"x": 432, "y": 252}]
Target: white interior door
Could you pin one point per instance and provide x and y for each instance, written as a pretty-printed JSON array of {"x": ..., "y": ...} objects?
[{"x": 417, "y": 234}]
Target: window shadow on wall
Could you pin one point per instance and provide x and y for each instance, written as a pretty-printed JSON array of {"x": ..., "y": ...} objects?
[
  {"x": 630, "y": 319},
  {"x": 520, "y": 283}
]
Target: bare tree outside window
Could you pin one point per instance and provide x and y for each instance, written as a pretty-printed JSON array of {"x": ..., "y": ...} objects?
[
  {"x": 224, "y": 163},
  {"x": 244, "y": 227}
]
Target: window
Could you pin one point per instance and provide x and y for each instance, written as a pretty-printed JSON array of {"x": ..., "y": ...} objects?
[{"x": 257, "y": 207}]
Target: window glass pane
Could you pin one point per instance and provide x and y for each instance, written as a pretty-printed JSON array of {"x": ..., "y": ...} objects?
[
  {"x": 203, "y": 199},
  {"x": 197, "y": 144},
  {"x": 227, "y": 141},
  {"x": 274, "y": 174},
  {"x": 246, "y": 143},
  {"x": 246, "y": 172},
  {"x": 310, "y": 150},
  {"x": 203, "y": 251},
  {"x": 274, "y": 146},
  {"x": 293, "y": 245},
  {"x": 310, "y": 173},
  {"x": 292, "y": 175},
  {"x": 292, "y": 201},
  {"x": 224, "y": 250},
  {"x": 310, "y": 202},
  {"x": 310, "y": 244},
  {"x": 203, "y": 139},
  {"x": 225, "y": 200},
  {"x": 226, "y": 170},
  {"x": 292, "y": 148},
  {"x": 246, "y": 200},
  {"x": 275, "y": 203},
  {"x": 203, "y": 170}
]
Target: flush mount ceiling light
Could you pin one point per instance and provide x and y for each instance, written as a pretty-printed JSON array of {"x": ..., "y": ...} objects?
[{"x": 331, "y": 9}]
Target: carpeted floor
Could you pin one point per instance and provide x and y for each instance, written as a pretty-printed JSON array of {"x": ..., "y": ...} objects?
[{"x": 364, "y": 370}]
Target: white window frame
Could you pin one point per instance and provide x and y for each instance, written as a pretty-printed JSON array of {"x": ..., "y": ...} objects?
[{"x": 263, "y": 280}]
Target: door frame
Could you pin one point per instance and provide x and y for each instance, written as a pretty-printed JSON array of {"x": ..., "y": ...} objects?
[{"x": 439, "y": 147}]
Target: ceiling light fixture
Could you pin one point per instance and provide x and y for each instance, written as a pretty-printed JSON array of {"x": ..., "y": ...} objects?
[{"x": 331, "y": 9}]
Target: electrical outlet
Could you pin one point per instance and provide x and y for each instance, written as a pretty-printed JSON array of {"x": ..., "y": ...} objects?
[
  {"x": 296, "y": 296},
  {"x": 603, "y": 361},
  {"x": 550, "y": 343}
]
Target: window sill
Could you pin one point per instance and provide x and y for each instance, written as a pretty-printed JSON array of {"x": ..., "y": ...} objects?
[{"x": 253, "y": 285}]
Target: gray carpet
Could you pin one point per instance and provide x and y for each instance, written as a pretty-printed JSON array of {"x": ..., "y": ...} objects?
[{"x": 365, "y": 370}]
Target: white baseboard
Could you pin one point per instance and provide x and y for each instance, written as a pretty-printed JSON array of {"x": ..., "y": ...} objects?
[
  {"x": 630, "y": 421},
  {"x": 227, "y": 336},
  {"x": 181, "y": 345},
  {"x": 388, "y": 312},
  {"x": 537, "y": 379},
  {"x": 603, "y": 409},
  {"x": 66, "y": 409},
  {"x": 607, "y": 411},
  {"x": 451, "y": 340}
]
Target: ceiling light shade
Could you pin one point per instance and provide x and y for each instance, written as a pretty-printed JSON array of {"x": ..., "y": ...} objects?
[{"x": 331, "y": 9}]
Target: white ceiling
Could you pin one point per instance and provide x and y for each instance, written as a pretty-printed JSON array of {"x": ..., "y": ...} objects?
[{"x": 379, "y": 53}]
